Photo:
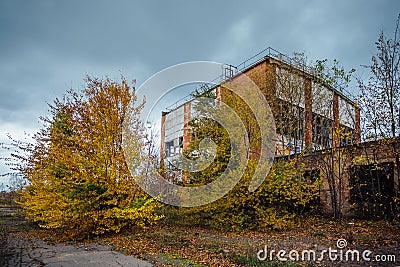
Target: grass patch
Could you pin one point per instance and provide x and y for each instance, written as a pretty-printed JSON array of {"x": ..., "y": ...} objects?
[
  {"x": 319, "y": 233},
  {"x": 178, "y": 260},
  {"x": 174, "y": 241}
]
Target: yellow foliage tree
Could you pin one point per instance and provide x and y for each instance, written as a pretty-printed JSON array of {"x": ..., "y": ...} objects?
[
  {"x": 284, "y": 193},
  {"x": 78, "y": 177}
]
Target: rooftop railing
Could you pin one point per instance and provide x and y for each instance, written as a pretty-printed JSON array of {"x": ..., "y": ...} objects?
[{"x": 229, "y": 71}]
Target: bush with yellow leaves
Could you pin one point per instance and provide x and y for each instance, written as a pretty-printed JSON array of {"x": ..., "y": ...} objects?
[{"x": 79, "y": 181}]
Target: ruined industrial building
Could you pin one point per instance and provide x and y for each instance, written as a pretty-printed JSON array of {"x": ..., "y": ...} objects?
[{"x": 314, "y": 120}]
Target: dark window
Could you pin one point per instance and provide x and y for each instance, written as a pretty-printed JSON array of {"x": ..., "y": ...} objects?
[
  {"x": 347, "y": 137},
  {"x": 372, "y": 189},
  {"x": 168, "y": 146},
  {"x": 289, "y": 121},
  {"x": 181, "y": 142},
  {"x": 322, "y": 128}
]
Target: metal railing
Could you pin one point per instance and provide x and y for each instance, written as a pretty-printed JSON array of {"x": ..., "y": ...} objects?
[
  {"x": 220, "y": 79},
  {"x": 248, "y": 63}
]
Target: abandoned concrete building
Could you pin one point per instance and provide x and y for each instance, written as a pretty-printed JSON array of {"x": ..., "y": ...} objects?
[
  {"x": 305, "y": 110},
  {"x": 291, "y": 89}
]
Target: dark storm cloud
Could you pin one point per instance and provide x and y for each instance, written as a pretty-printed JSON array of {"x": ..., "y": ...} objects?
[{"x": 47, "y": 47}]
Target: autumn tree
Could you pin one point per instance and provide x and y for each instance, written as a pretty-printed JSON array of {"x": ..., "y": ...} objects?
[
  {"x": 294, "y": 77},
  {"x": 329, "y": 161},
  {"x": 78, "y": 178},
  {"x": 151, "y": 149},
  {"x": 374, "y": 181},
  {"x": 380, "y": 95},
  {"x": 206, "y": 127},
  {"x": 284, "y": 193}
]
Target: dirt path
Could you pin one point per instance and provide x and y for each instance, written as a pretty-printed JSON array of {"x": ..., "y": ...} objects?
[{"x": 17, "y": 249}]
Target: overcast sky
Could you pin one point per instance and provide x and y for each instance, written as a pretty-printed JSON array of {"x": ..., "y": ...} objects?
[{"x": 47, "y": 47}]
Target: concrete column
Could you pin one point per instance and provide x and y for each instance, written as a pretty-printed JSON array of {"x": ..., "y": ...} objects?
[
  {"x": 269, "y": 89},
  {"x": 308, "y": 133},
  {"x": 186, "y": 130},
  {"x": 186, "y": 134},
  {"x": 336, "y": 121},
  {"x": 162, "y": 137},
  {"x": 218, "y": 94},
  {"x": 357, "y": 126}
]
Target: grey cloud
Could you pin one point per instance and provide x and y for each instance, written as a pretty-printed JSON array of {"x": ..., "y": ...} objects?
[{"x": 48, "y": 46}]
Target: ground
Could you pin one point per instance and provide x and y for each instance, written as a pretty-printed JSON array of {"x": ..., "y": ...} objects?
[
  {"x": 24, "y": 244},
  {"x": 198, "y": 246}
]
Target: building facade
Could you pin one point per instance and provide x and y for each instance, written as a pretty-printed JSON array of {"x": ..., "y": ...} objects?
[
  {"x": 309, "y": 115},
  {"x": 316, "y": 121}
]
